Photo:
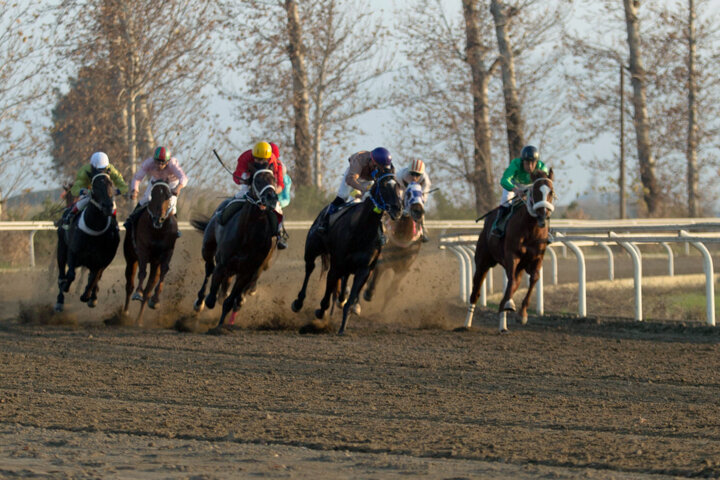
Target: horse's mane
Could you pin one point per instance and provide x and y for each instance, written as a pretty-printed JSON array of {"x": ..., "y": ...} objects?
[{"x": 538, "y": 174}]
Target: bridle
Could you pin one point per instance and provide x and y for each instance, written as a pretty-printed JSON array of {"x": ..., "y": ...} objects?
[
  {"x": 259, "y": 193},
  {"x": 376, "y": 196},
  {"x": 92, "y": 189},
  {"x": 158, "y": 221},
  {"x": 546, "y": 190}
]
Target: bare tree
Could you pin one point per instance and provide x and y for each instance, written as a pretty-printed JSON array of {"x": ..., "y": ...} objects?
[
  {"x": 651, "y": 191},
  {"x": 323, "y": 62},
  {"x": 23, "y": 39},
  {"x": 159, "y": 52}
]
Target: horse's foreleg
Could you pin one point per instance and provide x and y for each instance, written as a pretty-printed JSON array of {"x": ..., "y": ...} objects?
[
  {"x": 92, "y": 281},
  {"x": 141, "y": 274},
  {"x": 209, "y": 269},
  {"x": 534, "y": 277},
  {"x": 342, "y": 292},
  {"x": 297, "y": 304},
  {"x": 359, "y": 280},
  {"x": 130, "y": 270},
  {"x": 507, "y": 304},
  {"x": 372, "y": 282},
  {"x": 235, "y": 299},
  {"x": 93, "y": 295},
  {"x": 61, "y": 261},
  {"x": 164, "y": 269},
  {"x": 152, "y": 279}
]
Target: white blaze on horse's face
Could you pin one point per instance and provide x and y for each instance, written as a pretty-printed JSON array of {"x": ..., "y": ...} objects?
[{"x": 544, "y": 207}]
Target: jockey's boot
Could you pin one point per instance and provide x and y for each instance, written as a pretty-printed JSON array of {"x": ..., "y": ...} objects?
[
  {"x": 324, "y": 224},
  {"x": 499, "y": 224},
  {"x": 68, "y": 217},
  {"x": 132, "y": 218}
]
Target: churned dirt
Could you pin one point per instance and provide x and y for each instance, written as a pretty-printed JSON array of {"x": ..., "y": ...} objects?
[{"x": 402, "y": 395}]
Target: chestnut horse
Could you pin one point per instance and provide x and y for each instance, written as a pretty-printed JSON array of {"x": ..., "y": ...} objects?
[
  {"x": 91, "y": 241},
  {"x": 150, "y": 240},
  {"x": 521, "y": 249},
  {"x": 242, "y": 247},
  {"x": 404, "y": 242},
  {"x": 352, "y": 245}
]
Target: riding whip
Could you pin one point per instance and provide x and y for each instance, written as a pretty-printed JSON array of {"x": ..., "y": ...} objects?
[{"x": 221, "y": 162}]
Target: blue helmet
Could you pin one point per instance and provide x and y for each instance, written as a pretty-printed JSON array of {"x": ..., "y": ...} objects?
[{"x": 381, "y": 156}]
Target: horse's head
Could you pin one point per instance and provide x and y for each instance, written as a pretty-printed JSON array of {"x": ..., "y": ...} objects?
[
  {"x": 413, "y": 202},
  {"x": 159, "y": 205},
  {"x": 101, "y": 193},
  {"x": 385, "y": 194},
  {"x": 541, "y": 196},
  {"x": 263, "y": 189}
]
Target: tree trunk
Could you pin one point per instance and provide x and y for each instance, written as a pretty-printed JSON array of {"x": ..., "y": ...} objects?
[
  {"x": 651, "y": 192},
  {"x": 301, "y": 103},
  {"x": 132, "y": 134},
  {"x": 692, "y": 166},
  {"x": 317, "y": 161},
  {"x": 482, "y": 175},
  {"x": 513, "y": 111},
  {"x": 146, "y": 139}
]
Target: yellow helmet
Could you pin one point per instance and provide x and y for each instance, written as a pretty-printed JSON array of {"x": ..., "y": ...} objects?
[{"x": 262, "y": 150}]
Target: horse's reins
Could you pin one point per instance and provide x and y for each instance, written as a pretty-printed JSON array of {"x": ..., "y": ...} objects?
[
  {"x": 381, "y": 205},
  {"x": 81, "y": 222}
]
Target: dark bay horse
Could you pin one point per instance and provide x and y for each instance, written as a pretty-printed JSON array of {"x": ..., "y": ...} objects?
[
  {"x": 352, "y": 245},
  {"x": 404, "y": 242},
  {"x": 91, "y": 241},
  {"x": 150, "y": 241},
  {"x": 521, "y": 249},
  {"x": 242, "y": 247}
]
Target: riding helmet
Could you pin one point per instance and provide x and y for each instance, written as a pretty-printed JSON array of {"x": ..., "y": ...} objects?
[
  {"x": 417, "y": 167},
  {"x": 162, "y": 155},
  {"x": 530, "y": 154},
  {"x": 99, "y": 160},
  {"x": 262, "y": 150},
  {"x": 381, "y": 156}
]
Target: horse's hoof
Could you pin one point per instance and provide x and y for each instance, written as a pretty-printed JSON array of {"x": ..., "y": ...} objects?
[
  {"x": 504, "y": 331},
  {"x": 65, "y": 285},
  {"x": 209, "y": 302},
  {"x": 341, "y": 333},
  {"x": 92, "y": 303},
  {"x": 356, "y": 309},
  {"x": 137, "y": 296},
  {"x": 84, "y": 298},
  {"x": 198, "y": 306},
  {"x": 461, "y": 329},
  {"x": 319, "y": 313},
  {"x": 509, "y": 306},
  {"x": 152, "y": 303},
  {"x": 59, "y": 307},
  {"x": 341, "y": 302},
  {"x": 523, "y": 320},
  {"x": 252, "y": 291},
  {"x": 367, "y": 296},
  {"x": 296, "y": 305}
]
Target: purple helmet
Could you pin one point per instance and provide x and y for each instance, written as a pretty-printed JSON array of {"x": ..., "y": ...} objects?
[{"x": 381, "y": 156}]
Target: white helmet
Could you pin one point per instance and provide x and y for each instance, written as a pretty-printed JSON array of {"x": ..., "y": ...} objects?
[{"x": 99, "y": 160}]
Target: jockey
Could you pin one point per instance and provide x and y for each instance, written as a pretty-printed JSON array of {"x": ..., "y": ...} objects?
[
  {"x": 515, "y": 176},
  {"x": 99, "y": 163},
  {"x": 359, "y": 175},
  {"x": 163, "y": 167},
  {"x": 415, "y": 172},
  {"x": 261, "y": 157}
]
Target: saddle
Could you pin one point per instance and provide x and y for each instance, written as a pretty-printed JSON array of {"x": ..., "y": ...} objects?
[
  {"x": 228, "y": 209},
  {"x": 342, "y": 210},
  {"x": 502, "y": 220}
]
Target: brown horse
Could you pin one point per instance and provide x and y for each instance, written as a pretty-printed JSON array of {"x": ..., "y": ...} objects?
[
  {"x": 521, "y": 248},
  {"x": 150, "y": 241},
  {"x": 404, "y": 242}
]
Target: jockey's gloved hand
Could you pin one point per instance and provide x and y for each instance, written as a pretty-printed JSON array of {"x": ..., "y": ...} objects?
[
  {"x": 83, "y": 191},
  {"x": 117, "y": 191},
  {"x": 174, "y": 192}
]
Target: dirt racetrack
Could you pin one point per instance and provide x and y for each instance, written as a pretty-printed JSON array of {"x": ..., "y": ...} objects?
[{"x": 401, "y": 396}]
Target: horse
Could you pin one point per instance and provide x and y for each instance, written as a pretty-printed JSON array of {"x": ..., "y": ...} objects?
[
  {"x": 351, "y": 246},
  {"x": 404, "y": 242},
  {"x": 151, "y": 240},
  {"x": 522, "y": 248},
  {"x": 242, "y": 247},
  {"x": 91, "y": 241}
]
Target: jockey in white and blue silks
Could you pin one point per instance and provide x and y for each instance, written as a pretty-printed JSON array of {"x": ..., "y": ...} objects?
[{"x": 415, "y": 173}]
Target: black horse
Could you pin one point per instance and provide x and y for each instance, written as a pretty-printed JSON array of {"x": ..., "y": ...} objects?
[
  {"x": 151, "y": 240},
  {"x": 242, "y": 247},
  {"x": 352, "y": 245},
  {"x": 91, "y": 241}
]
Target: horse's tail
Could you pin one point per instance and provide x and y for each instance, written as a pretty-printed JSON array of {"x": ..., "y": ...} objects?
[{"x": 199, "y": 224}]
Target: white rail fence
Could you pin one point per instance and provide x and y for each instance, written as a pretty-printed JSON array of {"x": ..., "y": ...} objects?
[{"x": 628, "y": 234}]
